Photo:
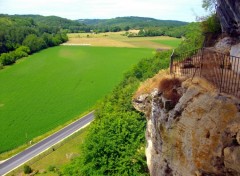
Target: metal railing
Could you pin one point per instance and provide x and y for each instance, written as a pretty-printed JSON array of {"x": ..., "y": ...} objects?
[{"x": 220, "y": 69}]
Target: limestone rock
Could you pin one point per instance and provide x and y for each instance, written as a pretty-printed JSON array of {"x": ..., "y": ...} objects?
[
  {"x": 229, "y": 14},
  {"x": 232, "y": 158},
  {"x": 190, "y": 138},
  {"x": 224, "y": 45},
  {"x": 238, "y": 137}
]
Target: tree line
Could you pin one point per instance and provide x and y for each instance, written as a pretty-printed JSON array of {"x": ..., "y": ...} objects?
[{"x": 21, "y": 36}]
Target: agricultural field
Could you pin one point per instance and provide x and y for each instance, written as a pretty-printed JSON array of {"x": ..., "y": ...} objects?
[
  {"x": 118, "y": 39},
  {"x": 56, "y": 85}
]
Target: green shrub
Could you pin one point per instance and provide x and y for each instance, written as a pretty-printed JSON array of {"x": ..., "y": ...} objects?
[
  {"x": 1, "y": 65},
  {"x": 51, "y": 168},
  {"x": 27, "y": 169},
  {"x": 211, "y": 25}
]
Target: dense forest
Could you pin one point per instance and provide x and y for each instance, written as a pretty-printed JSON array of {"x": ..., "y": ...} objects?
[
  {"x": 148, "y": 26},
  {"x": 20, "y": 36},
  {"x": 70, "y": 26},
  {"x": 131, "y": 22}
]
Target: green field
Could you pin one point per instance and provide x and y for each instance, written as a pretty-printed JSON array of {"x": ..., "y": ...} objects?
[
  {"x": 55, "y": 85},
  {"x": 173, "y": 43}
]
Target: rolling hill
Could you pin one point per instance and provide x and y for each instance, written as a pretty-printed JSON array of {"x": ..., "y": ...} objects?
[{"x": 132, "y": 22}]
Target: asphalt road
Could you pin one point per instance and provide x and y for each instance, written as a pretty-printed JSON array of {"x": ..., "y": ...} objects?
[{"x": 38, "y": 148}]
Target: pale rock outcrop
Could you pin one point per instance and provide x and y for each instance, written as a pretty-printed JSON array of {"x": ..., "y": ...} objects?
[
  {"x": 224, "y": 45},
  {"x": 197, "y": 136}
]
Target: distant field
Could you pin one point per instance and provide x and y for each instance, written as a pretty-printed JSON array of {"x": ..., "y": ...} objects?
[
  {"x": 117, "y": 39},
  {"x": 55, "y": 85},
  {"x": 173, "y": 43}
]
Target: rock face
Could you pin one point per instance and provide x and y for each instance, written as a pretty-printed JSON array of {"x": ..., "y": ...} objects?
[
  {"x": 224, "y": 45},
  {"x": 229, "y": 14},
  {"x": 198, "y": 135}
]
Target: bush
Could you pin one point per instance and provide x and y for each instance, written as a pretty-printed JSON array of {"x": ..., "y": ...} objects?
[
  {"x": 7, "y": 59},
  {"x": 168, "y": 86},
  {"x": 211, "y": 25},
  {"x": 27, "y": 169},
  {"x": 51, "y": 168}
]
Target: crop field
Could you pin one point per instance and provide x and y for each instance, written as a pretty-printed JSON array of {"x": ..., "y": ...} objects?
[
  {"x": 54, "y": 86},
  {"x": 173, "y": 43},
  {"x": 118, "y": 39}
]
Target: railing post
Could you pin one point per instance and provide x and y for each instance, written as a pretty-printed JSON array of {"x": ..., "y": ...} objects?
[
  {"x": 201, "y": 61},
  {"x": 171, "y": 62},
  {"x": 222, "y": 72}
]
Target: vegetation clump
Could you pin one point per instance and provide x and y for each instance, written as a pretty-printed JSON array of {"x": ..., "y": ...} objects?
[
  {"x": 168, "y": 86},
  {"x": 21, "y": 36},
  {"x": 27, "y": 169}
]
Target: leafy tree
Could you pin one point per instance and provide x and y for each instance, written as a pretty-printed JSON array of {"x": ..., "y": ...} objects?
[
  {"x": 126, "y": 28},
  {"x": 27, "y": 169},
  {"x": 34, "y": 43},
  {"x": 211, "y": 25}
]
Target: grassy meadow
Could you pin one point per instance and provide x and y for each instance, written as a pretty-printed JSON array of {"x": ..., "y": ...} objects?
[
  {"x": 54, "y": 86},
  {"x": 118, "y": 39}
]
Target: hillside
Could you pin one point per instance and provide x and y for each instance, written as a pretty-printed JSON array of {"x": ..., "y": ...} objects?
[
  {"x": 58, "y": 22},
  {"x": 132, "y": 22}
]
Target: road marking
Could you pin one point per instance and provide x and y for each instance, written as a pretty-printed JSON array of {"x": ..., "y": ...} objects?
[{"x": 50, "y": 141}]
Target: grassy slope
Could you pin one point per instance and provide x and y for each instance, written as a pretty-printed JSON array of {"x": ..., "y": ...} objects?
[{"x": 56, "y": 85}]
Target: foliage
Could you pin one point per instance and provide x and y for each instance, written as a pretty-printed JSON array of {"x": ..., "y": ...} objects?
[
  {"x": 50, "y": 23},
  {"x": 169, "y": 88},
  {"x": 115, "y": 142},
  {"x": 51, "y": 168},
  {"x": 34, "y": 42},
  {"x": 27, "y": 169},
  {"x": 16, "y": 31},
  {"x": 172, "y": 31},
  {"x": 54, "y": 86},
  {"x": 193, "y": 38},
  {"x": 126, "y": 23},
  {"x": 211, "y": 24}
]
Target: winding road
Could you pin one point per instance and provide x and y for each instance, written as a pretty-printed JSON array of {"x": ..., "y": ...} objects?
[{"x": 43, "y": 145}]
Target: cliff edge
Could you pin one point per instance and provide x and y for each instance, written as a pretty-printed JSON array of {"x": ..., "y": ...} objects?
[{"x": 191, "y": 128}]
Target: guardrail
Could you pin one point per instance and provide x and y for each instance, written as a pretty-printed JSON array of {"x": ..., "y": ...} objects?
[{"x": 220, "y": 69}]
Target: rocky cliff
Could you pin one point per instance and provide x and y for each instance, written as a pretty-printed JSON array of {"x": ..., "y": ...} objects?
[
  {"x": 229, "y": 14},
  {"x": 191, "y": 129}
]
